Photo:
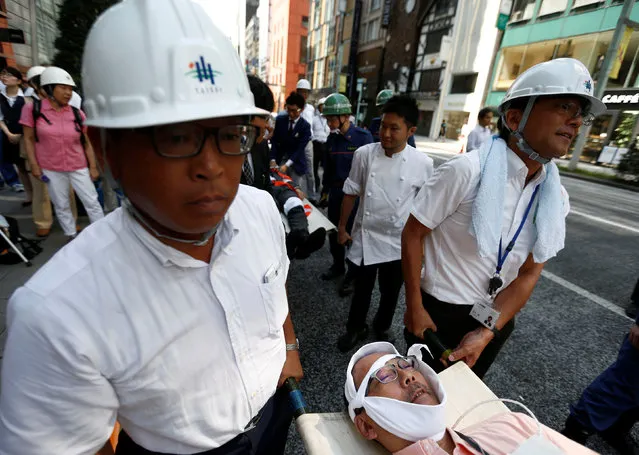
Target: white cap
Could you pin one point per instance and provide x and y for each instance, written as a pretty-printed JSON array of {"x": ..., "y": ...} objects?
[
  {"x": 321, "y": 101},
  {"x": 562, "y": 76},
  {"x": 35, "y": 71},
  {"x": 54, "y": 75},
  {"x": 155, "y": 62},
  {"x": 304, "y": 84}
]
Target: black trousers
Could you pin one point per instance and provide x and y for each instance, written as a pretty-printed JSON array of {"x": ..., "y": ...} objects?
[
  {"x": 390, "y": 279},
  {"x": 335, "y": 198},
  {"x": 267, "y": 438},
  {"x": 319, "y": 149},
  {"x": 453, "y": 323}
]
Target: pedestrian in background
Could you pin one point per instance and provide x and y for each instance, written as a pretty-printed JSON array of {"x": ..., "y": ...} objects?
[
  {"x": 59, "y": 149},
  {"x": 344, "y": 139},
  {"x": 11, "y": 103},
  {"x": 488, "y": 220},
  {"x": 320, "y": 135},
  {"x": 308, "y": 113},
  {"x": 385, "y": 176},
  {"x": 442, "y": 131},
  {"x": 482, "y": 131}
]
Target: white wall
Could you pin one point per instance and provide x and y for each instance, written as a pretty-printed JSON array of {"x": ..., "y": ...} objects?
[{"x": 474, "y": 35}]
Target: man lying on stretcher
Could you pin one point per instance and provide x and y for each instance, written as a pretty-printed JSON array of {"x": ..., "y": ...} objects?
[{"x": 399, "y": 402}]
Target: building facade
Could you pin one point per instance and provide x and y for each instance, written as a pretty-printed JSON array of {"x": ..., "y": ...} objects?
[
  {"x": 541, "y": 30},
  {"x": 288, "y": 34},
  {"x": 252, "y": 47}
]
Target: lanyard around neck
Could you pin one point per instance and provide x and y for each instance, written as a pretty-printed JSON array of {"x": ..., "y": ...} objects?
[{"x": 501, "y": 258}]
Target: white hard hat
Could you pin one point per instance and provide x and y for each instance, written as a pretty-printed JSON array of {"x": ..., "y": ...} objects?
[
  {"x": 54, "y": 75},
  {"x": 180, "y": 67},
  {"x": 304, "y": 84},
  {"x": 35, "y": 71},
  {"x": 321, "y": 101},
  {"x": 562, "y": 76}
]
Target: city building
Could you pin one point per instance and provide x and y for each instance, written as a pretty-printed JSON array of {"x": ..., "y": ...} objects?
[
  {"x": 288, "y": 34},
  {"x": 263, "y": 13},
  {"x": 252, "y": 47},
  {"x": 321, "y": 70},
  {"x": 541, "y": 30}
]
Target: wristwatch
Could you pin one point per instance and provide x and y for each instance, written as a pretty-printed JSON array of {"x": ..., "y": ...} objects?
[
  {"x": 496, "y": 333},
  {"x": 293, "y": 346}
]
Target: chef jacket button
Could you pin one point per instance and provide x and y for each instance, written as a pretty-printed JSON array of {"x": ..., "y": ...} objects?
[
  {"x": 402, "y": 178},
  {"x": 368, "y": 213},
  {"x": 392, "y": 218},
  {"x": 372, "y": 174},
  {"x": 399, "y": 199},
  {"x": 370, "y": 193}
]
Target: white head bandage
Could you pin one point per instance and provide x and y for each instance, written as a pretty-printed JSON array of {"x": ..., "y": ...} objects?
[{"x": 409, "y": 421}]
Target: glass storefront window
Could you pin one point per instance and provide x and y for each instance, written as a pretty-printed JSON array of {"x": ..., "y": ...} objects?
[
  {"x": 538, "y": 53},
  {"x": 509, "y": 67},
  {"x": 552, "y": 7}
]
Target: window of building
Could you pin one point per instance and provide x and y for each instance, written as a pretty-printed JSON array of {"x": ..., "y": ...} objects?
[
  {"x": 430, "y": 80},
  {"x": 328, "y": 10},
  {"x": 303, "y": 48},
  {"x": 586, "y": 4},
  {"x": 552, "y": 7},
  {"x": 434, "y": 40},
  {"x": 463, "y": 83},
  {"x": 373, "y": 30},
  {"x": 305, "y": 21},
  {"x": 522, "y": 10},
  {"x": 445, "y": 8},
  {"x": 331, "y": 37},
  {"x": 317, "y": 7},
  {"x": 375, "y": 4}
]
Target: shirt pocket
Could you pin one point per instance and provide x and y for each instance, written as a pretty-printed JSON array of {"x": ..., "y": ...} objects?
[{"x": 275, "y": 301}]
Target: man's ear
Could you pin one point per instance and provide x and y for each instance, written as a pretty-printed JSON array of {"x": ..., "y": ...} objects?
[
  {"x": 364, "y": 427},
  {"x": 412, "y": 130},
  {"x": 513, "y": 118}
]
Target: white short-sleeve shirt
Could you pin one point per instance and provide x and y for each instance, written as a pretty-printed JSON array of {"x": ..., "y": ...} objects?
[
  {"x": 387, "y": 187},
  {"x": 453, "y": 270},
  {"x": 185, "y": 353}
]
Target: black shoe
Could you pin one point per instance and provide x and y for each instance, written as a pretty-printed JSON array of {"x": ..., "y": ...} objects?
[
  {"x": 313, "y": 202},
  {"x": 384, "y": 336},
  {"x": 575, "y": 431},
  {"x": 332, "y": 273},
  {"x": 350, "y": 339},
  {"x": 347, "y": 287},
  {"x": 631, "y": 311},
  {"x": 314, "y": 242}
]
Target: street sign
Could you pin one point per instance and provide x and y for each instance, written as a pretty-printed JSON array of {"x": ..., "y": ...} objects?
[
  {"x": 360, "y": 83},
  {"x": 386, "y": 13},
  {"x": 621, "y": 100},
  {"x": 11, "y": 35},
  {"x": 504, "y": 14}
]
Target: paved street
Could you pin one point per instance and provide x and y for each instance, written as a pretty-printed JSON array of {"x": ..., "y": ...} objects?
[{"x": 570, "y": 330}]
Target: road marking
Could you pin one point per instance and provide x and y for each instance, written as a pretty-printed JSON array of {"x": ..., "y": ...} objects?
[
  {"x": 589, "y": 295},
  {"x": 12, "y": 198},
  {"x": 604, "y": 221}
]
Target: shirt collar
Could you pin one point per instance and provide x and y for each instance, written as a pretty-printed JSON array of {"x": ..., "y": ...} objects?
[
  {"x": 168, "y": 256},
  {"x": 47, "y": 106},
  {"x": 517, "y": 168},
  {"x": 20, "y": 93}
]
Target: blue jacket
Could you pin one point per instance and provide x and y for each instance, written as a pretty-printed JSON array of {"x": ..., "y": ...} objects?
[
  {"x": 376, "y": 123},
  {"x": 340, "y": 149},
  {"x": 290, "y": 146}
]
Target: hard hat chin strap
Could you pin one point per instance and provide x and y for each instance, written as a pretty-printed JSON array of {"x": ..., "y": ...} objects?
[
  {"x": 138, "y": 216},
  {"x": 519, "y": 134}
]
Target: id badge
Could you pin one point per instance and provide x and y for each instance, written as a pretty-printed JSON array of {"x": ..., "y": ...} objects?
[
  {"x": 485, "y": 315},
  {"x": 537, "y": 446}
]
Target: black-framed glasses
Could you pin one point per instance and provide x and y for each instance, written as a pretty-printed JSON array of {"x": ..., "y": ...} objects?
[
  {"x": 388, "y": 373},
  {"x": 574, "y": 110},
  {"x": 185, "y": 140}
]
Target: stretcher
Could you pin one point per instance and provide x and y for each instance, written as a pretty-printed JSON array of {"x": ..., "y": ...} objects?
[
  {"x": 334, "y": 433},
  {"x": 316, "y": 219}
]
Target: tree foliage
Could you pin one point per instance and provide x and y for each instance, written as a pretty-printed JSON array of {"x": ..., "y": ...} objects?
[{"x": 74, "y": 22}]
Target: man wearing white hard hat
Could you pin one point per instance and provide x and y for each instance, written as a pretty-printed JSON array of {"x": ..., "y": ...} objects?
[
  {"x": 488, "y": 220},
  {"x": 400, "y": 402},
  {"x": 320, "y": 135},
  {"x": 308, "y": 113},
  {"x": 171, "y": 313}
]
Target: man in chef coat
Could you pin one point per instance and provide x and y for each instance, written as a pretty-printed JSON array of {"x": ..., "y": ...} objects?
[{"x": 386, "y": 176}]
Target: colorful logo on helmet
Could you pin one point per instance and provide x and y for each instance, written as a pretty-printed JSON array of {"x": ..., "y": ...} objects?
[
  {"x": 202, "y": 71},
  {"x": 588, "y": 85}
]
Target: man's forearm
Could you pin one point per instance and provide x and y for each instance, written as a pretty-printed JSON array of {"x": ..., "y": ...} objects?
[
  {"x": 347, "y": 208},
  {"x": 512, "y": 299},
  {"x": 412, "y": 260},
  {"x": 289, "y": 330}
]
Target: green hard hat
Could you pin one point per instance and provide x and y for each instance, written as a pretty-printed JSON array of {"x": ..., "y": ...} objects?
[
  {"x": 337, "y": 104},
  {"x": 383, "y": 96}
]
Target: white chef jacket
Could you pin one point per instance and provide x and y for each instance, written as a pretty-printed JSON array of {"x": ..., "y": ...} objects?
[
  {"x": 387, "y": 187},
  {"x": 320, "y": 128},
  {"x": 184, "y": 352},
  {"x": 477, "y": 137},
  {"x": 308, "y": 113},
  {"x": 453, "y": 270}
]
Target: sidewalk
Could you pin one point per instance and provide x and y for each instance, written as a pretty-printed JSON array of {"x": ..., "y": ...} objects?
[{"x": 14, "y": 276}]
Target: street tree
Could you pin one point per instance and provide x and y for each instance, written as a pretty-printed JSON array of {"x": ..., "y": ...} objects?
[{"x": 74, "y": 22}]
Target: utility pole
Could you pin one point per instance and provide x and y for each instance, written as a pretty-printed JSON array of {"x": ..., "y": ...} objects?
[
  {"x": 602, "y": 77},
  {"x": 33, "y": 18}
]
